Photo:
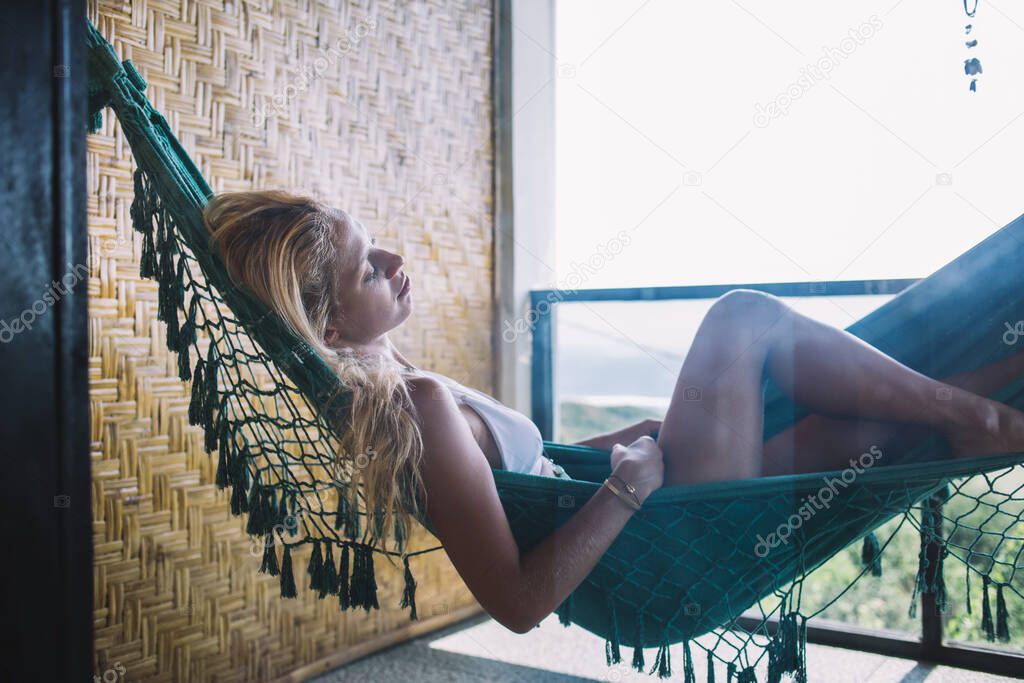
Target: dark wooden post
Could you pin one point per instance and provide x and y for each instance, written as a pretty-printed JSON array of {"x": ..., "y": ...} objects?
[{"x": 47, "y": 519}]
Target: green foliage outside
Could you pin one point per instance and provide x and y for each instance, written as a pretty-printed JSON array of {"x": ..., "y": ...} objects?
[{"x": 579, "y": 421}]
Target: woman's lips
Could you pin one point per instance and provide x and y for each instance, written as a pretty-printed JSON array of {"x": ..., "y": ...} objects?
[{"x": 405, "y": 287}]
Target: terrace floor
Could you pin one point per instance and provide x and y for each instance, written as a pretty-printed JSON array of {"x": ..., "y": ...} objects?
[{"x": 480, "y": 649}]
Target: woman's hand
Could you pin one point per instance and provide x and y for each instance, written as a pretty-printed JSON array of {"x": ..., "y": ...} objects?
[{"x": 640, "y": 464}]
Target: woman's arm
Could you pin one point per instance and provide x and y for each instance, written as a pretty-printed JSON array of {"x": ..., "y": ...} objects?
[
  {"x": 648, "y": 427},
  {"x": 517, "y": 589}
]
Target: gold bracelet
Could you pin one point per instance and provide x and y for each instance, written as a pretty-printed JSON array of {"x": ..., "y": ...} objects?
[
  {"x": 631, "y": 503},
  {"x": 629, "y": 488}
]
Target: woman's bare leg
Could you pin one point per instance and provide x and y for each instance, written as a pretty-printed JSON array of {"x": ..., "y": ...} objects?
[
  {"x": 818, "y": 442},
  {"x": 713, "y": 427}
]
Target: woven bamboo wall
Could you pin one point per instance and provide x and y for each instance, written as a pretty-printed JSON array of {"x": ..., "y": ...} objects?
[{"x": 384, "y": 111}]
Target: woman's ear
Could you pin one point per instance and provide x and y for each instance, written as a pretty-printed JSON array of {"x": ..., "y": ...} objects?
[{"x": 331, "y": 335}]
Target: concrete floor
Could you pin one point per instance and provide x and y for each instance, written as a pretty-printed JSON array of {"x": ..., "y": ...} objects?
[{"x": 483, "y": 650}]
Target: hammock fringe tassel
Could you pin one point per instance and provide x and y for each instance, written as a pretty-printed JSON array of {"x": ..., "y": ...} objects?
[
  {"x": 612, "y": 653},
  {"x": 409, "y": 593},
  {"x": 986, "y": 611},
  {"x": 871, "y": 554},
  {"x": 930, "y": 579},
  {"x": 1002, "y": 616},
  {"x": 287, "y": 577},
  {"x": 564, "y": 611},
  {"x": 999, "y": 628},
  {"x": 747, "y": 675},
  {"x": 331, "y": 582},
  {"x": 638, "y": 651},
  {"x": 315, "y": 569},
  {"x": 269, "y": 565},
  {"x": 662, "y": 661},
  {"x": 787, "y": 649},
  {"x": 344, "y": 590}
]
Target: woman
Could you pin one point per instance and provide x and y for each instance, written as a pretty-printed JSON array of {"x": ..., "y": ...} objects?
[{"x": 438, "y": 441}]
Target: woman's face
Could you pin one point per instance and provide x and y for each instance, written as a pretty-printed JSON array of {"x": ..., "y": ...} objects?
[{"x": 370, "y": 285}]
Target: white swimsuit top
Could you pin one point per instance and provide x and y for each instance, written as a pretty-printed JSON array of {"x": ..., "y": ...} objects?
[{"x": 518, "y": 440}]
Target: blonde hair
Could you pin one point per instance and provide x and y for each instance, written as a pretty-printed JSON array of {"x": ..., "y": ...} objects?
[{"x": 282, "y": 249}]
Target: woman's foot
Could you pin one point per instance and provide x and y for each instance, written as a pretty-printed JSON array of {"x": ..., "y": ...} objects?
[{"x": 999, "y": 429}]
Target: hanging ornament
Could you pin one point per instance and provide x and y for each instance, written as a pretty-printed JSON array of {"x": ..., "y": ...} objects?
[{"x": 972, "y": 66}]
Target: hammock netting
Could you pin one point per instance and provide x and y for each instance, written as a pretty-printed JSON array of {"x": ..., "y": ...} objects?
[{"x": 687, "y": 564}]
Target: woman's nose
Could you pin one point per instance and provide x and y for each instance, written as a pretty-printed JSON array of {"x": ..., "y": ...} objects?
[{"x": 396, "y": 262}]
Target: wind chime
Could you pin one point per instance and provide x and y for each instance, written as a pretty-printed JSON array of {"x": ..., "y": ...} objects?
[{"x": 972, "y": 66}]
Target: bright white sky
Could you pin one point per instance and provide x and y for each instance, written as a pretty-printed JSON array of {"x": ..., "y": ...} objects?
[
  {"x": 655, "y": 107},
  {"x": 842, "y": 187}
]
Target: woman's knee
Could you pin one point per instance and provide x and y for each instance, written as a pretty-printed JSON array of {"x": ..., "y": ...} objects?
[{"x": 749, "y": 305}]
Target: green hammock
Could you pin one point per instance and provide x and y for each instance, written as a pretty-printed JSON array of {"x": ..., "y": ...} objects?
[{"x": 687, "y": 563}]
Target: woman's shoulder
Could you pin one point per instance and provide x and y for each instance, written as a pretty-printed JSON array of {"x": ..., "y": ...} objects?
[
  {"x": 425, "y": 383},
  {"x": 447, "y": 436},
  {"x": 428, "y": 393},
  {"x": 422, "y": 382},
  {"x": 421, "y": 374}
]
